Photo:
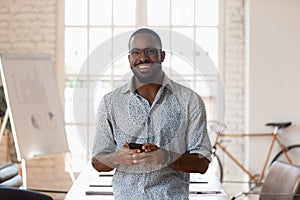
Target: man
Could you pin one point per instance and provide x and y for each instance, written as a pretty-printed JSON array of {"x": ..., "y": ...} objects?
[{"x": 168, "y": 119}]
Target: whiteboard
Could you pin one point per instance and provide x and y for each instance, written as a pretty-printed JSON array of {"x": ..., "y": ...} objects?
[{"x": 33, "y": 103}]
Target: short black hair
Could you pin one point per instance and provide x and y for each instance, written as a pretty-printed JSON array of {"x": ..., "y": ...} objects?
[{"x": 149, "y": 31}]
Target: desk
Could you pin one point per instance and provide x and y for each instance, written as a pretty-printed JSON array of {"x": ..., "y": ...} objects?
[{"x": 207, "y": 185}]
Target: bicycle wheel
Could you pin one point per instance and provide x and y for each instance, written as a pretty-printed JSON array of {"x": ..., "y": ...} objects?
[
  {"x": 294, "y": 153},
  {"x": 216, "y": 167}
]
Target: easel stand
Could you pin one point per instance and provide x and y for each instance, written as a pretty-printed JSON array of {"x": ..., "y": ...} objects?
[
  {"x": 24, "y": 173},
  {"x": 29, "y": 81}
]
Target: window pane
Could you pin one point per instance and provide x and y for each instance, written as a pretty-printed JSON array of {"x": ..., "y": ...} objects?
[
  {"x": 97, "y": 91},
  {"x": 121, "y": 80},
  {"x": 207, "y": 38},
  {"x": 188, "y": 32},
  {"x": 98, "y": 36},
  {"x": 158, "y": 12},
  {"x": 103, "y": 86},
  {"x": 98, "y": 87},
  {"x": 207, "y": 12},
  {"x": 86, "y": 136},
  {"x": 124, "y": 12},
  {"x": 75, "y": 100},
  {"x": 181, "y": 66},
  {"x": 121, "y": 39},
  {"x": 206, "y": 87},
  {"x": 183, "y": 12},
  {"x": 76, "y": 139},
  {"x": 100, "y": 50},
  {"x": 75, "y": 12},
  {"x": 69, "y": 88},
  {"x": 118, "y": 31},
  {"x": 121, "y": 66},
  {"x": 75, "y": 49},
  {"x": 91, "y": 138},
  {"x": 100, "y": 12}
]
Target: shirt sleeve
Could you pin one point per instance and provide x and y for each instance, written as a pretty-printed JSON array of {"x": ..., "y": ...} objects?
[
  {"x": 197, "y": 137},
  {"x": 104, "y": 140}
]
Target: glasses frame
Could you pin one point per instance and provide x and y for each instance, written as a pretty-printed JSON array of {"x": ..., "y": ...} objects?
[{"x": 145, "y": 51}]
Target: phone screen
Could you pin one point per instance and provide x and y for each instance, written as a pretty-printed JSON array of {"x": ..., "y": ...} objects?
[{"x": 136, "y": 146}]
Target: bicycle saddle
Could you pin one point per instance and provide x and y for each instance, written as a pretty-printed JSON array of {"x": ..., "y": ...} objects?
[{"x": 280, "y": 124}]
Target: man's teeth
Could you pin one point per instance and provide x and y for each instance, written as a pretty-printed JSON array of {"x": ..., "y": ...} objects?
[{"x": 142, "y": 66}]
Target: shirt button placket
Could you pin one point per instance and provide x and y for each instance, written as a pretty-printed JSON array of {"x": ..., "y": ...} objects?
[{"x": 148, "y": 127}]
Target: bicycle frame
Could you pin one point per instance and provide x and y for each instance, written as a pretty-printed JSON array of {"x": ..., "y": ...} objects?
[{"x": 239, "y": 164}]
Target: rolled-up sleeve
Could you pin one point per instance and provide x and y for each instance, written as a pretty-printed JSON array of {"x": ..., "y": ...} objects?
[{"x": 197, "y": 137}]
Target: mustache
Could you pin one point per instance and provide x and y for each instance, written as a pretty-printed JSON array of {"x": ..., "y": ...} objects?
[{"x": 146, "y": 62}]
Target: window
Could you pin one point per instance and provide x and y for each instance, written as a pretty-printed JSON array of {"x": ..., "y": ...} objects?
[{"x": 90, "y": 23}]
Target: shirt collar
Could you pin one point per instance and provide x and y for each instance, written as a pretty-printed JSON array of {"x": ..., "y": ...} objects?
[{"x": 167, "y": 83}]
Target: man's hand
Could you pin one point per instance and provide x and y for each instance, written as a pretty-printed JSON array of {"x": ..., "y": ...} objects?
[
  {"x": 108, "y": 161},
  {"x": 124, "y": 156},
  {"x": 153, "y": 155}
]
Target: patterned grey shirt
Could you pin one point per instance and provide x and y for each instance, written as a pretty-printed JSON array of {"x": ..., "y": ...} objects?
[{"x": 175, "y": 121}]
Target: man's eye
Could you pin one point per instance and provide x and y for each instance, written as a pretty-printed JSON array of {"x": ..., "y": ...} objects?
[
  {"x": 135, "y": 53},
  {"x": 151, "y": 51}
]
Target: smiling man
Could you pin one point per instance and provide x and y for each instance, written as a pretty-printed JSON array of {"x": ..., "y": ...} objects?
[
  {"x": 146, "y": 57},
  {"x": 152, "y": 130}
]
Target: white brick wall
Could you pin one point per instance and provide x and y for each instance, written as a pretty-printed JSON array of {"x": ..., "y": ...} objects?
[
  {"x": 234, "y": 82},
  {"x": 28, "y": 25},
  {"x": 234, "y": 65}
]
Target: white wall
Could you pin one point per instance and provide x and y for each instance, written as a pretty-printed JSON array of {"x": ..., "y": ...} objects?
[{"x": 273, "y": 70}]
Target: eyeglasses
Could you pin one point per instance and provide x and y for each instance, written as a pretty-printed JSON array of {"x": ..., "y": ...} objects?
[{"x": 150, "y": 52}]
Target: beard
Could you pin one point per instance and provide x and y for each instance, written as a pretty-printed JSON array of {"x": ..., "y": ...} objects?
[{"x": 151, "y": 77}]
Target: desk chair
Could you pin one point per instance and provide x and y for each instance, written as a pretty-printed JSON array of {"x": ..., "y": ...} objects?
[
  {"x": 282, "y": 183},
  {"x": 11, "y": 193}
]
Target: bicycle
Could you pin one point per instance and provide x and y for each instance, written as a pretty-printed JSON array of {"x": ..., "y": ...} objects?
[{"x": 289, "y": 154}]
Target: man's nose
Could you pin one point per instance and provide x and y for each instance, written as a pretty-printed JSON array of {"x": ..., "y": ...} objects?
[{"x": 143, "y": 56}]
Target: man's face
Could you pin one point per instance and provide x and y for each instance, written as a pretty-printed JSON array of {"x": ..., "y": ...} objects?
[{"x": 145, "y": 57}]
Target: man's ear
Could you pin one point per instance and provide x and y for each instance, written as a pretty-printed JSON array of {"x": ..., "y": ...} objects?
[
  {"x": 129, "y": 60},
  {"x": 128, "y": 57},
  {"x": 162, "y": 56}
]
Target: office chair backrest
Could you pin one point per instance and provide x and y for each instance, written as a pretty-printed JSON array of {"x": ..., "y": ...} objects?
[
  {"x": 281, "y": 183},
  {"x": 11, "y": 193}
]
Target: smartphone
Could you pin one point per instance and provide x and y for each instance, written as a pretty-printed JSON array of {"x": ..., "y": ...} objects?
[{"x": 136, "y": 146}]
